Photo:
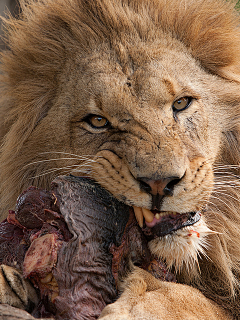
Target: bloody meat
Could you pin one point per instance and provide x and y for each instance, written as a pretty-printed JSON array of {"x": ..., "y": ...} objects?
[{"x": 74, "y": 243}]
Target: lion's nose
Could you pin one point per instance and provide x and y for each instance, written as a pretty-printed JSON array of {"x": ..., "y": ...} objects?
[
  {"x": 159, "y": 189},
  {"x": 163, "y": 187}
]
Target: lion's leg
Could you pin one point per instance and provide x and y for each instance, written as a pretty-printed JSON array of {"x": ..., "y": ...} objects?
[{"x": 146, "y": 298}]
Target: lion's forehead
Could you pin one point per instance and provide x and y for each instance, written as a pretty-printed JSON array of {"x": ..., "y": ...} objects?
[{"x": 157, "y": 78}]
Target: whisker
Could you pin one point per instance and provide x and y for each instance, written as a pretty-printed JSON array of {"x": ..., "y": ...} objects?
[
  {"x": 87, "y": 170},
  {"x": 229, "y": 175},
  {"x": 214, "y": 204},
  {"x": 221, "y": 201},
  {"x": 221, "y": 186},
  {"x": 59, "y": 169},
  {"x": 57, "y": 159},
  {"x": 67, "y": 153},
  {"x": 227, "y": 195},
  {"x": 226, "y": 182},
  {"x": 226, "y": 166}
]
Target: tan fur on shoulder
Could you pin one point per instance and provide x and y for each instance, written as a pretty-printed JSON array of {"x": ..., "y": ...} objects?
[{"x": 90, "y": 87}]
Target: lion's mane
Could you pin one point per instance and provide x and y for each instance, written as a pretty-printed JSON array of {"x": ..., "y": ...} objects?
[{"x": 49, "y": 31}]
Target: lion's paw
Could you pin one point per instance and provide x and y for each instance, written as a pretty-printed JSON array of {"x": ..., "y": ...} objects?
[
  {"x": 15, "y": 290},
  {"x": 115, "y": 311}
]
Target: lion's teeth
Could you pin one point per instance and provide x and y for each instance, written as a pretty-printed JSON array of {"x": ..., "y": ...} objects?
[
  {"x": 139, "y": 215},
  {"x": 148, "y": 215}
]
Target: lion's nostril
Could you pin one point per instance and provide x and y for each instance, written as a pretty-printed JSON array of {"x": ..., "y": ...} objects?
[
  {"x": 168, "y": 190},
  {"x": 163, "y": 187},
  {"x": 145, "y": 186}
]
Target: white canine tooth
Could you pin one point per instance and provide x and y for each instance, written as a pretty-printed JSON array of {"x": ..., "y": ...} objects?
[
  {"x": 148, "y": 215},
  {"x": 139, "y": 215},
  {"x": 157, "y": 216}
]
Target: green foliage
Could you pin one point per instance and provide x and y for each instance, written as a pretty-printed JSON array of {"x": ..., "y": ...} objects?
[{"x": 238, "y": 4}]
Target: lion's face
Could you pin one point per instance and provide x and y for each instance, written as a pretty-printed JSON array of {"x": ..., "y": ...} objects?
[{"x": 149, "y": 135}]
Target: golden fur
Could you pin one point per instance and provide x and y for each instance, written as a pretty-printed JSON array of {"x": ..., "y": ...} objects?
[
  {"x": 146, "y": 298},
  {"x": 128, "y": 61}
]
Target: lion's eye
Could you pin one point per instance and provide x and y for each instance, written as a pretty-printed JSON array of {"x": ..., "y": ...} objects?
[
  {"x": 182, "y": 103},
  {"x": 97, "y": 121}
]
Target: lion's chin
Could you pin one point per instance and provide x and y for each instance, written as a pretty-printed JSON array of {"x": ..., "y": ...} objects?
[
  {"x": 182, "y": 247},
  {"x": 178, "y": 238}
]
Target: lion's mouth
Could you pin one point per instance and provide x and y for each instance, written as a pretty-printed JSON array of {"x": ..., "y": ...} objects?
[{"x": 161, "y": 223}]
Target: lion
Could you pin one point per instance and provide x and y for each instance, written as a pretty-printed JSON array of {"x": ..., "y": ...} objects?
[{"x": 144, "y": 97}]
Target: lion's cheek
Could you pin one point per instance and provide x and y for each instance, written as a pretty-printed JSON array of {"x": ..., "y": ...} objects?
[
  {"x": 112, "y": 174},
  {"x": 186, "y": 201},
  {"x": 194, "y": 191}
]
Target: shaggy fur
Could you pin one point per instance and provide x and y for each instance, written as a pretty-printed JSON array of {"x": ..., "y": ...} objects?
[{"x": 128, "y": 61}]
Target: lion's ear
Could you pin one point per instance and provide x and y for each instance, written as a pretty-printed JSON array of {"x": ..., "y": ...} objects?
[{"x": 230, "y": 73}]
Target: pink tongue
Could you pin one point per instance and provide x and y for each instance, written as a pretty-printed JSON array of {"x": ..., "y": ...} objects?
[{"x": 154, "y": 222}]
